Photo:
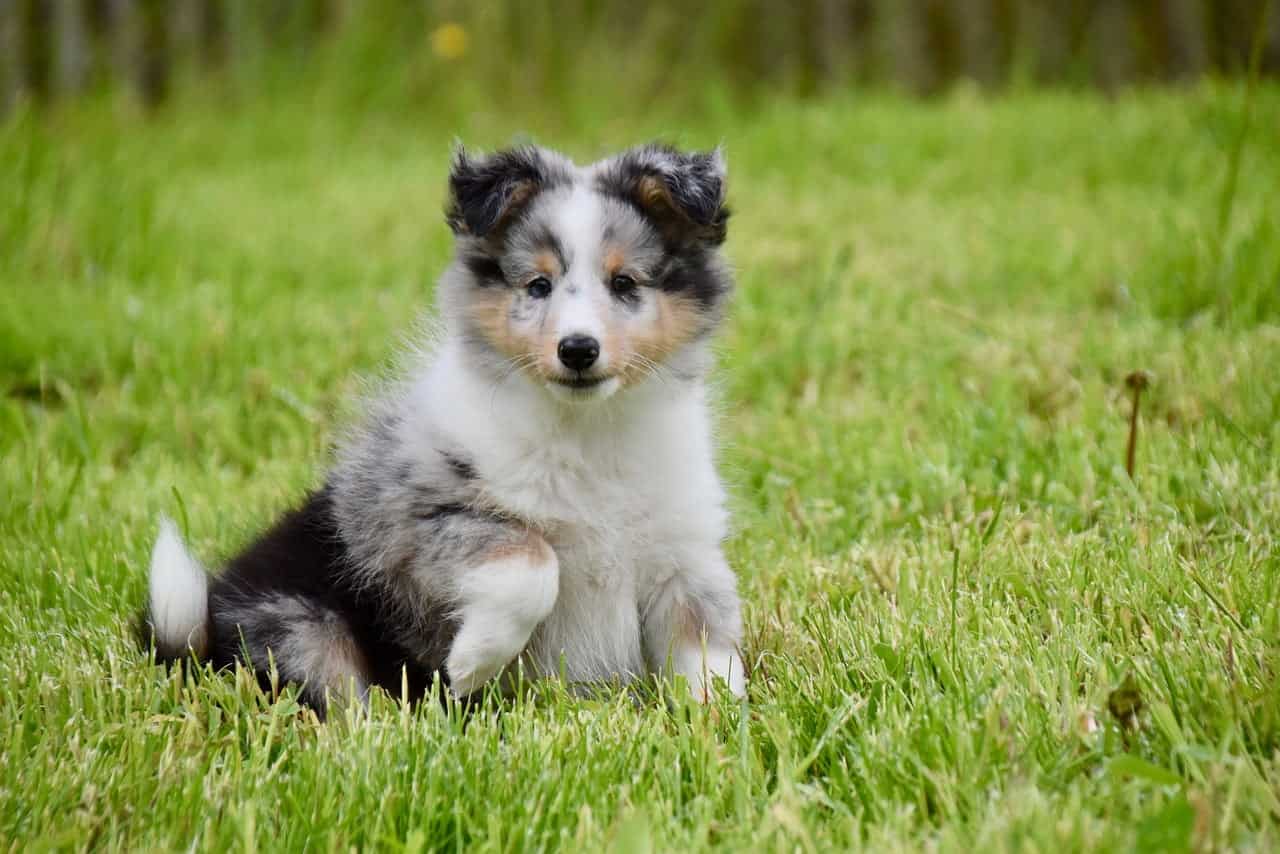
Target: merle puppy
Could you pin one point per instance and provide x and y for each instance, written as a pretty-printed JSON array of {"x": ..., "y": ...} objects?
[{"x": 540, "y": 490}]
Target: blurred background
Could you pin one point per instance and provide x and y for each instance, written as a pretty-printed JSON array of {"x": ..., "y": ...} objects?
[{"x": 157, "y": 50}]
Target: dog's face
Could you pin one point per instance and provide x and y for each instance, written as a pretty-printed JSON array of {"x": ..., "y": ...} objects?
[{"x": 586, "y": 280}]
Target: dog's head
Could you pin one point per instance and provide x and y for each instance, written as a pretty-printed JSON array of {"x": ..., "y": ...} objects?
[{"x": 586, "y": 280}]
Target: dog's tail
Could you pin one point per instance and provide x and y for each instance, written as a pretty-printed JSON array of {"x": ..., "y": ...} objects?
[{"x": 179, "y": 601}]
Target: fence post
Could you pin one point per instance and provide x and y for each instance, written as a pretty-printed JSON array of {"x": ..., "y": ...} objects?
[
  {"x": 907, "y": 41},
  {"x": 153, "y": 61},
  {"x": 1186, "y": 49},
  {"x": 122, "y": 29},
  {"x": 1112, "y": 35},
  {"x": 10, "y": 75},
  {"x": 197, "y": 33},
  {"x": 832, "y": 39},
  {"x": 73, "y": 46},
  {"x": 1271, "y": 56},
  {"x": 32, "y": 53},
  {"x": 983, "y": 49},
  {"x": 212, "y": 32},
  {"x": 140, "y": 47}
]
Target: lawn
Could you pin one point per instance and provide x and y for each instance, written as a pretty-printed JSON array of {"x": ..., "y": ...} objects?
[{"x": 969, "y": 628}]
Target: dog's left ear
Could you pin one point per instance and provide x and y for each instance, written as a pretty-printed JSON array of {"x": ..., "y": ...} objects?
[{"x": 682, "y": 193}]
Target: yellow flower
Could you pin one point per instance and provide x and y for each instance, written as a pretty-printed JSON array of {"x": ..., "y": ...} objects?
[{"x": 449, "y": 41}]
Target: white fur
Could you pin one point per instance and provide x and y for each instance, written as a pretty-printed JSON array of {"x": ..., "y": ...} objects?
[
  {"x": 179, "y": 593},
  {"x": 580, "y": 306},
  {"x": 502, "y": 603},
  {"x": 702, "y": 665},
  {"x": 625, "y": 491},
  {"x": 578, "y": 224},
  {"x": 577, "y": 310},
  {"x": 601, "y": 391}
]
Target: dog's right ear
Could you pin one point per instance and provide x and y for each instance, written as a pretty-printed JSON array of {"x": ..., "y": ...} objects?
[{"x": 486, "y": 191}]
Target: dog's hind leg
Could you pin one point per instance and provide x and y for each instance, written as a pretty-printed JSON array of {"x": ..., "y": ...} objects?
[{"x": 310, "y": 644}]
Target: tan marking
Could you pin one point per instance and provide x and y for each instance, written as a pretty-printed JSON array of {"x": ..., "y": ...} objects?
[
  {"x": 633, "y": 351},
  {"x": 530, "y": 545},
  {"x": 652, "y": 192},
  {"x": 546, "y": 263},
  {"x": 516, "y": 199},
  {"x": 345, "y": 669},
  {"x": 676, "y": 324},
  {"x": 613, "y": 341},
  {"x": 490, "y": 315},
  {"x": 490, "y": 312},
  {"x": 689, "y": 625},
  {"x": 614, "y": 260}
]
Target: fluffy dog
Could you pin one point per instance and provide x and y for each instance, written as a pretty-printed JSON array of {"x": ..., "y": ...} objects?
[{"x": 539, "y": 493}]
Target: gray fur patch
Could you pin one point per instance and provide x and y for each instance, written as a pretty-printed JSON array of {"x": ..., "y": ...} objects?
[{"x": 411, "y": 525}]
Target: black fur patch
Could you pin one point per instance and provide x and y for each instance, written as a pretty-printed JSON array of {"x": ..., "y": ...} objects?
[
  {"x": 681, "y": 193},
  {"x": 463, "y": 468},
  {"x": 694, "y": 273},
  {"x": 485, "y": 192},
  {"x": 485, "y": 271},
  {"x": 303, "y": 557}
]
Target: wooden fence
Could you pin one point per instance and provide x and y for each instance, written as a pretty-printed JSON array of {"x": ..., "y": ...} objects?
[{"x": 58, "y": 48}]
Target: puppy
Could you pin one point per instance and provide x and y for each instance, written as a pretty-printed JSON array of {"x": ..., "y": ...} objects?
[{"x": 539, "y": 495}]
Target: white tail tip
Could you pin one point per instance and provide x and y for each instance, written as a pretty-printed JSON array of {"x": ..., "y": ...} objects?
[{"x": 179, "y": 596}]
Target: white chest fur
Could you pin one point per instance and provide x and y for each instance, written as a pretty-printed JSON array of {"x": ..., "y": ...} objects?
[{"x": 619, "y": 491}]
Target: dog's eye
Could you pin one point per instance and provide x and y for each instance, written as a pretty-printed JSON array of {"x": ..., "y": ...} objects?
[
  {"x": 539, "y": 288},
  {"x": 622, "y": 284}
]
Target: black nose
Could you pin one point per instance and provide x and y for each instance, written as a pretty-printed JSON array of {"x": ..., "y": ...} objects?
[{"x": 579, "y": 352}]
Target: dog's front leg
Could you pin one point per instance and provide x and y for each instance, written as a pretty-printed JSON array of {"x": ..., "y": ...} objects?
[
  {"x": 499, "y": 599},
  {"x": 465, "y": 589},
  {"x": 693, "y": 624}
]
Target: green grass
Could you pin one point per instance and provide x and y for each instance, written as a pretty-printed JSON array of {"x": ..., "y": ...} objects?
[{"x": 969, "y": 629}]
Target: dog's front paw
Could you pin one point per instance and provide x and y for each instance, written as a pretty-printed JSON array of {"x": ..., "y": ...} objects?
[
  {"x": 702, "y": 666},
  {"x": 477, "y": 657},
  {"x": 504, "y": 599}
]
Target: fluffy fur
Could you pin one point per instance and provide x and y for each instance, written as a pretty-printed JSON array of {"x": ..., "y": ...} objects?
[{"x": 540, "y": 490}]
